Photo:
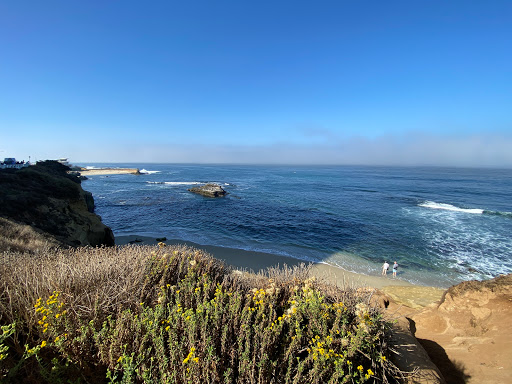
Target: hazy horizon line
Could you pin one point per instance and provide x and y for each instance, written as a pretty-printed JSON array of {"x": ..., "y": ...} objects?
[{"x": 505, "y": 167}]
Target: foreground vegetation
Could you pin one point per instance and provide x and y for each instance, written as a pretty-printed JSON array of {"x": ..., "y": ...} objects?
[{"x": 173, "y": 314}]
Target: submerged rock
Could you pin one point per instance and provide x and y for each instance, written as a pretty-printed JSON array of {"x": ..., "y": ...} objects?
[{"x": 209, "y": 190}]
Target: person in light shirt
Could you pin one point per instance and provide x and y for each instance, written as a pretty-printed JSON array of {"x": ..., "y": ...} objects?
[{"x": 385, "y": 268}]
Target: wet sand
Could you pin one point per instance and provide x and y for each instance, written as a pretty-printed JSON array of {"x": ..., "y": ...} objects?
[{"x": 413, "y": 296}]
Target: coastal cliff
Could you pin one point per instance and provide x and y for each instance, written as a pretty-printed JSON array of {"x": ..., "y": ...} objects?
[
  {"x": 468, "y": 334},
  {"x": 53, "y": 203}
]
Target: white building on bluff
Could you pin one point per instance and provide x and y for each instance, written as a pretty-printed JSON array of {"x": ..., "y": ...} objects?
[{"x": 10, "y": 162}]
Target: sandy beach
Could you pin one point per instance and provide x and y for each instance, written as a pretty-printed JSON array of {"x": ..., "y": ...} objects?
[
  {"x": 413, "y": 296},
  {"x": 110, "y": 171}
]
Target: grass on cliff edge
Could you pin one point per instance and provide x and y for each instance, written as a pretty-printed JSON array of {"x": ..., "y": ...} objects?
[
  {"x": 18, "y": 237},
  {"x": 174, "y": 314}
]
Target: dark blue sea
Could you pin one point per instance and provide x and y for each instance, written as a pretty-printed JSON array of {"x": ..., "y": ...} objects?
[{"x": 442, "y": 225}]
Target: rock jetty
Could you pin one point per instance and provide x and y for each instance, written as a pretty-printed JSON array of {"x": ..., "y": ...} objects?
[
  {"x": 109, "y": 171},
  {"x": 209, "y": 190}
]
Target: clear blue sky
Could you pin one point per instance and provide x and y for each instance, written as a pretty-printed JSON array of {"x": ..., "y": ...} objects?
[{"x": 344, "y": 82}]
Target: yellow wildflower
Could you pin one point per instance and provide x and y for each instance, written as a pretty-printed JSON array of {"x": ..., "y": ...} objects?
[{"x": 190, "y": 355}]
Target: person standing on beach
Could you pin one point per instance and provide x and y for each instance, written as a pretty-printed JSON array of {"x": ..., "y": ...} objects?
[
  {"x": 385, "y": 268},
  {"x": 395, "y": 267}
]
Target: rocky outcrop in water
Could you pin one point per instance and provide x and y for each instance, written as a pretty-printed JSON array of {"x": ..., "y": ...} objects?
[
  {"x": 209, "y": 190},
  {"x": 52, "y": 201}
]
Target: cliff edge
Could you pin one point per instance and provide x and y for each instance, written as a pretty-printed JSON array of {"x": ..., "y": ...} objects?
[
  {"x": 53, "y": 203},
  {"x": 468, "y": 334}
]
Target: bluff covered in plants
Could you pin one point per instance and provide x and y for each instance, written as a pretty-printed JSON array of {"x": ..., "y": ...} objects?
[
  {"x": 51, "y": 201},
  {"x": 140, "y": 314}
]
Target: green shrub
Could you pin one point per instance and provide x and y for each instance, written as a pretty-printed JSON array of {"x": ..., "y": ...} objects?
[{"x": 140, "y": 314}]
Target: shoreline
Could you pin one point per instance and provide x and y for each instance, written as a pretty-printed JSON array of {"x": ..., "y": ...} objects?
[{"x": 404, "y": 292}]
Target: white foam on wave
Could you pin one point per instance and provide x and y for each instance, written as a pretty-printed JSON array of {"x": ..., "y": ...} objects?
[
  {"x": 464, "y": 249},
  {"x": 475, "y": 254},
  {"x": 449, "y": 207},
  {"x": 175, "y": 182},
  {"x": 146, "y": 172}
]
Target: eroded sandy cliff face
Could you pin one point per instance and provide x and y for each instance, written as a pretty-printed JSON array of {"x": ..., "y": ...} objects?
[
  {"x": 463, "y": 337},
  {"x": 50, "y": 200},
  {"x": 468, "y": 334}
]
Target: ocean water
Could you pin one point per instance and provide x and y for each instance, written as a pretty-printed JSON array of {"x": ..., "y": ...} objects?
[{"x": 442, "y": 225}]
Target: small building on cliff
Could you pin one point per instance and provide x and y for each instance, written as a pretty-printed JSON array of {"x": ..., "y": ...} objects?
[{"x": 10, "y": 162}]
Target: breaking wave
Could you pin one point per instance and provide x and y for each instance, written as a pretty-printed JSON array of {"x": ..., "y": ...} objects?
[
  {"x": 449, "y": 207},
  {"x": 496, "y": 213},
  {"x": 175, "y": 182},
  {"x": 146, "y": 172}
]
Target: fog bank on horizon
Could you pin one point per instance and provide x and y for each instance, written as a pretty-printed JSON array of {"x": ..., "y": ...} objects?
[{"x": 412, "y": 150}]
